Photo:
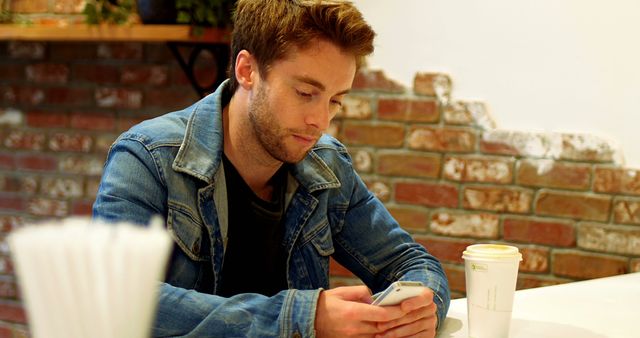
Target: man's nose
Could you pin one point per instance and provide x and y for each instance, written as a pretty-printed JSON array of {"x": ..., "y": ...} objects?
[{"x": 320, "y": 117}]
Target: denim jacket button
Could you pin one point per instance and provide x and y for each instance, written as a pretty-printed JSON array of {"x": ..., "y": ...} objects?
[{"x": 297, "y": 335}]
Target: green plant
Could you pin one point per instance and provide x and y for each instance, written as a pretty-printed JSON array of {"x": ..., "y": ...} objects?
[
  {"x": 205, "y": 13},
  {"x": 109, "y": 11}
]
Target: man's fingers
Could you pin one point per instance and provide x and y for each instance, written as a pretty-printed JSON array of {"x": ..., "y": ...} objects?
[{"x": 426, "y": 312}]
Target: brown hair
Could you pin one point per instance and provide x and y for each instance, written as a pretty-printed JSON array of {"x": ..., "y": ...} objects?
[{"x": 269, "y": 28}]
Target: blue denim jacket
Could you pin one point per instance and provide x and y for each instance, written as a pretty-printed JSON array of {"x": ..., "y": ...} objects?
[{"x": 171, "y": 166}]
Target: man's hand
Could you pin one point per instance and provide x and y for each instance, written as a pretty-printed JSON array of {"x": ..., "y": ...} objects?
[
  {"x": 346, "y": 312},
  {"x": 420, "y": 319}
]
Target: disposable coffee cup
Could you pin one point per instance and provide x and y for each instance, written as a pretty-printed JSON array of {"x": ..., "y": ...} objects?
[{"x": 491, "y": 272}]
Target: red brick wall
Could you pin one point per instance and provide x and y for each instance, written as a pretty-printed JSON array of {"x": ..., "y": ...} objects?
[
  {"x": 439, "y": 165},
  {"x": 452, "y": 179}
]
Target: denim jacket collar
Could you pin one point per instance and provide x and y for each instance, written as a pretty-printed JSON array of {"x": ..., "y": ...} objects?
[{"x": 201, "y": 150}]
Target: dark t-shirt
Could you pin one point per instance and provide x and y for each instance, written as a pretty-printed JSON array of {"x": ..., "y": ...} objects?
[{"x": 255, "y": 258}]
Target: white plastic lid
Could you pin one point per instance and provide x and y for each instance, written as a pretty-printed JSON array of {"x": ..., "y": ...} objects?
[{"x": 491, "y": 251}]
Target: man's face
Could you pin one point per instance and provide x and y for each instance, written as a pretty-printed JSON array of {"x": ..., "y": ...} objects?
[{"x": 294, "y": 104}]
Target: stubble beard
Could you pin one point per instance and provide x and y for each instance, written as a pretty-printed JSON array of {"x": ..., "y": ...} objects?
[{"x": 267, "y": 131}]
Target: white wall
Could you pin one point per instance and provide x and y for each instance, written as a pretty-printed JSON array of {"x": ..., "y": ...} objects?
[{"x": 540, "y": 65}]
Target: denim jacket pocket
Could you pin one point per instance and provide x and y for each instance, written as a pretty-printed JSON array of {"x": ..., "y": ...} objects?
[
  {"x": 320, "y": 238},
  {"x": 187, "y": 233}
]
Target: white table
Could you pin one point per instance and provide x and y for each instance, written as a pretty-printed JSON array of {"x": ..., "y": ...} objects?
[{"x": 598, "y": 308}]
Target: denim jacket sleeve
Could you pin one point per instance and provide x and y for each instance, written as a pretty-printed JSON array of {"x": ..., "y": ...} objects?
[
  {"x": 186, "y": 313},
  {"x": 133, "y": 189},
  {"x": 371, "y": 244}
]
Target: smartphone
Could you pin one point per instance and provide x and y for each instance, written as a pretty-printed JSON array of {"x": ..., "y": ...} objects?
[{"x": 397, "y": 292}]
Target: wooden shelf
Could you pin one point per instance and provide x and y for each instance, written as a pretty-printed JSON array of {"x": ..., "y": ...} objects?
[{"x": 83, "y": 32}]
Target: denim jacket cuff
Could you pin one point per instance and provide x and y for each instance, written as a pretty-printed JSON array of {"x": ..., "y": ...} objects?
[{"x": 299, "y": 313}]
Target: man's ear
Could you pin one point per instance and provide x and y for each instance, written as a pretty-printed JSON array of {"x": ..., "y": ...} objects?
[{"x": 246, "y": 69}]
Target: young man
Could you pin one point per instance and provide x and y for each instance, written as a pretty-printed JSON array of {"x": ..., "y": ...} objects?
[{"x": 257, "y": 199}]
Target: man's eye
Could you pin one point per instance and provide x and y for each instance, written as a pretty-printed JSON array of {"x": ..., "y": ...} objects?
[
  {"x": 304, "y": 94},
  {"x": 337, "y": 103}
]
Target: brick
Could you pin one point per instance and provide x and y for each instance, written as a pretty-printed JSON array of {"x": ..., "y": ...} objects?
[
  {"x": 24, "y": 95},
  {"x": 48, "y": 73},
  {"x": 412, "y": 219},
  {"x": 26, "y": 50},
  {"x": 81, "y": 208},
  {"x": 617, "y": 239},
  {"x": 12, "y": 72},
  {"x": 9, "y": 223},
  {"x": 120, "y": 51},
  {"x": 84, "y": 165},
  {"x": 8, "y": 287},
  {"x": 428, "y": 194},
  {"x": 445, "y": 249},
  {"x": 12, "y": 311},
  {"x": 37, "y": 162},
  {"x": 553, "y": 174},
  {"x": 70, "y": 142},
  {"x": 48, "y": 207},
  {"x": 103, "y": 142},
  {"x": 72, "y": 51},
  {"x": 58, "y": 187},
  {"x": 576, "y": 264},
  {"x": 626, "y": 210},
  {"x": 118, "y": 98},
  {"x": 157, "y": 53},
  {"x": 92, "y": 187},
  {"x": 154, "y": 75},
  {"x": 6, "y": 265},
  {"x": 409, "y": 164},
  {"x": 356, "y": 106},
  {"x": 478, "y": 169},
  {"x": 169, "y": 99},
  {"x": 539, "y": 231},
  {"x": 497, "y": 199},
  {"x": 12, "y": 202},
  {"x": 69, "y": 6},
  {"x": 534, "y": 259},
  {"x": 29, "y": 6},
  {"x": 408, "y": 110},
  {"x": 18, "y": 183},
  {"x": 6, "y": 332},
  {"x": 547, "y": 145},
  {"x": 24, "y": 140},
  {"x": 105, "y": 121},
  {"x": 375, "y": 80},
  {"x": 442, "y": 139},
  {"x": 635, "y": 265},
  {"x": 336, "y": 269},
  {"x": 379, "y": 135},
  {"x": 588, "y": 207},
  {"x": 472, "y": 113},
  {"x": 462, "y": 224},
  {"x": 69, "y": 96},
  {"x": 578, "y": 147},
  {"x": 334, "y": 128},
  {"x": 96, "y": 73},
  {"x": 617, "y": 181},
  {"x": 525, "y": 144},
  {"x": 379, "y": 188},
  {"x": 432, "y": 84},
  {"x": 47, "y": 119},
  {"x": 362, "y": 159},
  {"x": 7, "y": 161},
  {"x": 125, "y": 122},
  {"x": 11, "y": 117},
  {"x": 455, "y": 275},
  {"x": 526, "y": 281}
]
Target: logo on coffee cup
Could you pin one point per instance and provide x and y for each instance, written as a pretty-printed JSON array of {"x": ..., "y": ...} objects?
[{"x": 479, "y": 267}]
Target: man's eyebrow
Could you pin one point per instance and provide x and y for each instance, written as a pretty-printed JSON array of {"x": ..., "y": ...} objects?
[{"x": 318, "y": 84}]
